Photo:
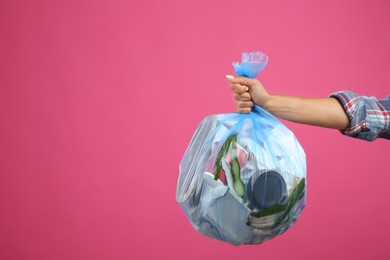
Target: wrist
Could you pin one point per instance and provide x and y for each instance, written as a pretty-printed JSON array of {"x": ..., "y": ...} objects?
[{"x": 267, "y": 102}]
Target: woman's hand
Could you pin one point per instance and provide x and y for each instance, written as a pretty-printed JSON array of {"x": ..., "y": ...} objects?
[{"x": 248, "y": 92}]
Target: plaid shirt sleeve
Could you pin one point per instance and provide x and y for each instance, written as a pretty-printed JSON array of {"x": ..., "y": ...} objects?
[{"x": 368, "y": 116}]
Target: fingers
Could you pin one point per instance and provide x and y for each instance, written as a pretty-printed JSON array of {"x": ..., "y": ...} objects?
[
  {"x": 244, "y": 106},
  {"x": 242, "y": 97},
  {"x": 241, "y": 80},
  {"x": 244, "y": 110},
  {"x": 238, "y": 88}
]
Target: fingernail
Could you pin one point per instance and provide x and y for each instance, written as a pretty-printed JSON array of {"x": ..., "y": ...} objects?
[
  {"x": 229, "y": 77},
  {"x": 246, "y": 88}
]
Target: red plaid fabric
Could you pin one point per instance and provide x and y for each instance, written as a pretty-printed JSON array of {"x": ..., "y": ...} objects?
[{"x": 369, "y": 117}]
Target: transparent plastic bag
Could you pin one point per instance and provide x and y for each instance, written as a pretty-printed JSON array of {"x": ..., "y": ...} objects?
[{"x": 243, "y": 177}]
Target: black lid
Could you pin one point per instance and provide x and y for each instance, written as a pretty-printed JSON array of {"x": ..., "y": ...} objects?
[{"x": 269, "y": 189}]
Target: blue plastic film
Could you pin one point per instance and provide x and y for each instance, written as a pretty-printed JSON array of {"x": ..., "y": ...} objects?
[{"x": 251, "y": 65}]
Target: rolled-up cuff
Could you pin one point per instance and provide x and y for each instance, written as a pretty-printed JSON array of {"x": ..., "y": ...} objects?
[{"x": 355, "y": 108}]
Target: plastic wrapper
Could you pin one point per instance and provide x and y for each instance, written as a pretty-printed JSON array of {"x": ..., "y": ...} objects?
[{"x": 243, "y": 176}]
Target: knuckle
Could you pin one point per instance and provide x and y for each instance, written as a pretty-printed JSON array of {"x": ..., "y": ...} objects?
[
  {"x": 245, "y": 96},
  {"x": 245, "y": 104},
  {"x": 242, "y": 104},
  {"x": 242, "y": 89}
]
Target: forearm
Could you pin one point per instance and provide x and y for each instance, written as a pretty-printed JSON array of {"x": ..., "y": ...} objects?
[{"x": 324, "y": 112}]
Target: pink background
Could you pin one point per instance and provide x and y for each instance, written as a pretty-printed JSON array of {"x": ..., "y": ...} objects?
[{"x": 99, "y": 99}]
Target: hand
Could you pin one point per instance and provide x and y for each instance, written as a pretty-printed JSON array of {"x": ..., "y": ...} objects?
[{"x": 248, "y": 92}]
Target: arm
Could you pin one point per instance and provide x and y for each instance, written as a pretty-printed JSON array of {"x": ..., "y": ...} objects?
[
  {"x": 366, "y": 118},
  {"x": 324, "y": 112}
]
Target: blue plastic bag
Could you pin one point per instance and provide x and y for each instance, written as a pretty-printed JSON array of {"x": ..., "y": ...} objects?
[
  {"x": 251, "y": 65},
  {"x": 243, "y": 176}
]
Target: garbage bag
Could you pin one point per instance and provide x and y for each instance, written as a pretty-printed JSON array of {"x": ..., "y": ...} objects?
[{"x": 242, "y": 179}]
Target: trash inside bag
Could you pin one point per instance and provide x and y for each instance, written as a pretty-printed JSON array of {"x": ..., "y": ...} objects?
[{"x": 243, "y": 176}]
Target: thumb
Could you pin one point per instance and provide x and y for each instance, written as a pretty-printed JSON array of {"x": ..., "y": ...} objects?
[
  {"x": 240, "y": 80},
  {"x": 230, "y": 78}
]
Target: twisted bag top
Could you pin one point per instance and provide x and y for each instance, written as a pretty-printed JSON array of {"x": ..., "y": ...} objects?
[{"x": 242, "y": 177}]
